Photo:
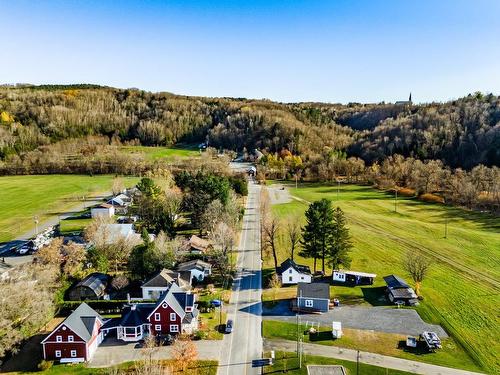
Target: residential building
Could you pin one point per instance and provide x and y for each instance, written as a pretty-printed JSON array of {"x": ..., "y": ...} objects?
[
  {"x": 293, "y": 273},
  {"x": 196, "y": 245},
  {"x": 197, "y": 269},
  {"x": 161, "y": 282},
  {"x": 313, "y": 297},
  {"x": 175, "y": 312},
  {"x": 76, "y": 338}
]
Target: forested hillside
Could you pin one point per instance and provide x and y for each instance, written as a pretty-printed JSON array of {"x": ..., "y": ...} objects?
[{"x": 462, "y": 133}]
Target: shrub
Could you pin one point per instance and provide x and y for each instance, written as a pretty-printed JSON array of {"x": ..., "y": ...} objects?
[
  {"x": 200, "y": 335},
  {"x": 45, "y": 365},
  {"x": 431, "y": 198}
]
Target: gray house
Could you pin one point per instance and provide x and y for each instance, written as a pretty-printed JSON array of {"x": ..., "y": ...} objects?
[{"x": 313, "y": 297}]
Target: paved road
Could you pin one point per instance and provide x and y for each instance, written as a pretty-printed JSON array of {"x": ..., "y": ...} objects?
[
  {"x": 365, "y": 357},
  {"x": 245, "y": 343},
  {"x": 12, "y": 260}
]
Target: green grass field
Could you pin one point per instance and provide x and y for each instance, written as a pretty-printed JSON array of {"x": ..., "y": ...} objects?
[
  {"x": 451, "y": 355},
  {"x": 23, "y": 197},
  {"x": 461, "y": 291},
  {"x": 168, "y": 153},
  {"x": 286, "y": 362}
]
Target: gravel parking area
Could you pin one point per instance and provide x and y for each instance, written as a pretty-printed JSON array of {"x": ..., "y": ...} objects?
[{"x": 382, "y": 319}]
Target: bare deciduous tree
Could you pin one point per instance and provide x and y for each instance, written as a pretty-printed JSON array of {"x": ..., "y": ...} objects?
[
  {"x": 117, "y": 186},
  {"x": 119, "y": 282},
  {"x": 417, "y": 267},
  {"x": 270, "y": 228},
  {"x": 294, "y": 234},
  {"x": 184, "y": 353}
]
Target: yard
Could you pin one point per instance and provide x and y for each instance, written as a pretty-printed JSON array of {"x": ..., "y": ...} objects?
[
  {"x": 461, "y": 290},
  {"x": 45, "y": 196},
  {"x": 451, "y": 355},
  {"x": 289, "y": 362}
]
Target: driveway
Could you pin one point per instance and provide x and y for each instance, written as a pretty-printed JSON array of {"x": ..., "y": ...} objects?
[
  {"x": 113, "y": 352},
  {"x": 382, "y": 319}
]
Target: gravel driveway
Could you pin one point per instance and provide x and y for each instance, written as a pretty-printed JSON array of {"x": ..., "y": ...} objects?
[{"x": 382, "y": 319}]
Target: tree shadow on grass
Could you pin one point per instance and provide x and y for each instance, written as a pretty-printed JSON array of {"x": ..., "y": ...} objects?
[{"x": 28, "y": 357}]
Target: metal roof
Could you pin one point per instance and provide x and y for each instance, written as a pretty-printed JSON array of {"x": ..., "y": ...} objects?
[
  {"x": 297, "y": 267},
  {"x": 395, "y": 282},
  {"x": 97, "y": 282},
  {"x": 313, "y": 290}
]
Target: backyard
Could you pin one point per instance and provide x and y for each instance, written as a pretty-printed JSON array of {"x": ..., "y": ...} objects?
[
  {"x": 461, "y": 290},
  {"x": 46, "y": 196}
]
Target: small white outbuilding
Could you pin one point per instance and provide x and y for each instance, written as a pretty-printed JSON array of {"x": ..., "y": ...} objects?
[
  {"x": 103, "y": 210},
  {"x": 336, "y": 330}
]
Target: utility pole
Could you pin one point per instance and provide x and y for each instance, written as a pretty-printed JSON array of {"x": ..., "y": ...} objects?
[
  {"x": 296, "y": 180},
  {"x": 357, "y": 363},
  {"x": 338, "y": 188},
  {"x": 396, "y": 201},
  {"x": 446, "y": 227},
  {"x": 35, "y": 219}
]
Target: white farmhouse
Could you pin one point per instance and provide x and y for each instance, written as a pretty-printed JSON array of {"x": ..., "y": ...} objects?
[
  {"x": 293, "y": 273},
  {"x": 197, "y": 268}
]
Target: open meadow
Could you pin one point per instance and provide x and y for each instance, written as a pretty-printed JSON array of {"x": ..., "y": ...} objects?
[
  {"x": 46, "y": 196},
  {"x": 166, "y": 153},
  {"x": 461, "y": 291}
]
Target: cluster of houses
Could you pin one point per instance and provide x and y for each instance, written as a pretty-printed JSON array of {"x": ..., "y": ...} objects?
[
  {"x": 117, "y": 205},
  {"x": 315, "y": 296},
  {"x": 78, "y": 336}
]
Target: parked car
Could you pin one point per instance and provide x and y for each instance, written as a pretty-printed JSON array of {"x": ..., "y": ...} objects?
[
  {"x": 216, "y": 302},
  {"x": 25, "y": 249},
  {"x": 229, "y": 326}
]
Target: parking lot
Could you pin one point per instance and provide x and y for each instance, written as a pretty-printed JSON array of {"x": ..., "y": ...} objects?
[{"x": 383, "y": 319}]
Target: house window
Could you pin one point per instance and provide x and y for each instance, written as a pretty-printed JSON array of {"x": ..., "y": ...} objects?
[
  {"x": 302, "y": 277},
  {"x": 58, "y": 354},
  {"x": 58, "y": 338},
  {"x": 174, "y": 328},
  {"x": 309, "y": 303},
  {"x": 290, "y": 270},
  {"x": 158, "y": 327},
  {"x": 173, "y": 317},
  {"x": 73, "y": 353},
  {"x": 71, "y": 338},
  {"x": 157, "y": 317},
  {"x": 290, "y": 278}
]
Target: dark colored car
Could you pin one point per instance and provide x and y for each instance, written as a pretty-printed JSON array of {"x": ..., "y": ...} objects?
[{"x": 229, "y": 326}]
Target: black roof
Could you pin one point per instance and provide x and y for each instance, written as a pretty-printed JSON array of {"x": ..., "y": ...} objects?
[
  {"x": 97, "y": 282},
  {"x": 290, "y": 263},
  {"x": 136, "y": 315},
  {"x": 395, "y": 282},
  {"x": 313, "y": 290}
]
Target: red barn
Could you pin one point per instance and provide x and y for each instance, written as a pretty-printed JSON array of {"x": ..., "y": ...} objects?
[{"x": 76, "y": 338}]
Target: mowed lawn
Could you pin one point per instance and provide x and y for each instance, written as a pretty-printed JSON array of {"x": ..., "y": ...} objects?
[
  {"x": 23, "y": 197},
  {"x": 168, "y": 153},
  {"x": 461, "y": 291}
]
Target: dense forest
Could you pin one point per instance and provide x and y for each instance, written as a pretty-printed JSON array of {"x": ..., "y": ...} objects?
[{"x": 438, "y": 148}]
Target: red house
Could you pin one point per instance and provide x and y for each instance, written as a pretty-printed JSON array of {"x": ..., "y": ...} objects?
[
  {"x": 175, "y": 312},
  {"x": 76, "y": 338}
]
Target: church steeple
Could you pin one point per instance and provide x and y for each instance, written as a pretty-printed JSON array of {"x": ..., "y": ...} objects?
[{"x": 409, "y": 99}]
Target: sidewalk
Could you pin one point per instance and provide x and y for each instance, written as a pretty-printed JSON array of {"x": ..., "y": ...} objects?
[{"x": 364, "y": 357}]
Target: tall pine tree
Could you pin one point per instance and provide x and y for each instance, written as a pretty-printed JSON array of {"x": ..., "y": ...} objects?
[
  {"x": 340, "y": 241},
  {"x": 316, "y": 235}
]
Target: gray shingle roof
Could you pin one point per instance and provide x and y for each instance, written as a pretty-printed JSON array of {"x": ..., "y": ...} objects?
[
  {"x": 81, "y": 321},
  {"x": 313, "y": 290},
  {"x": 194, "y": 264},
  {"x": 166, "y": 277}
]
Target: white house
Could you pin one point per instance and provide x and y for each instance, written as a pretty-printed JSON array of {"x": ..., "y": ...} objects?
[
  {"x": 115, "y": 232},
  {"x": 103, "y": 210},
  {"x": 121, "y": 200},
  {"x": 197, "y": 269},
  {"x": 162, "y": 281},
  {"x": 293, "y": 273}
]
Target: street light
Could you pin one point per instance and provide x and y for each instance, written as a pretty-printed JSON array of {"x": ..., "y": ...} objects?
[{"x": 35, "y": 219}]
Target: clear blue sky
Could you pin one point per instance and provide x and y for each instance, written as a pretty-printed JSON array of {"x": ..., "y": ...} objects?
[{"x": 332, "y": 51}]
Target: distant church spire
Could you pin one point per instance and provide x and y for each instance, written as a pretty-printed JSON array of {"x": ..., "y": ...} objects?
[{"x": 409, "y": 99}]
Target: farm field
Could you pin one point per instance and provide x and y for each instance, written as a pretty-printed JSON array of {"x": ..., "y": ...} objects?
[
  {"x": 461, "y": 291},
  {"x": 167, "y": 153},
  {"x": 23, "y": 197}
]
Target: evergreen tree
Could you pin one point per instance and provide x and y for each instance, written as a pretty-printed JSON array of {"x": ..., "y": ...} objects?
[
  {"x": 340, "y": 244},
  {"x": 316, "y": 235}
]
